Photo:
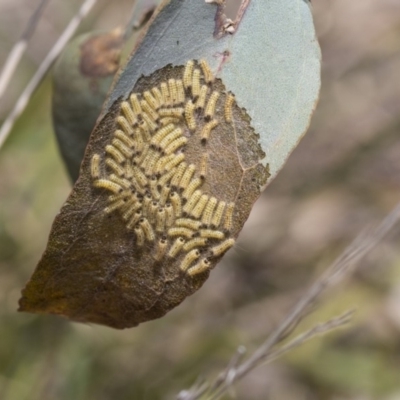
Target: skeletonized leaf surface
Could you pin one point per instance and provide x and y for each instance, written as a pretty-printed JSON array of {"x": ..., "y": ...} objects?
[{"x": 178, "y": 159}]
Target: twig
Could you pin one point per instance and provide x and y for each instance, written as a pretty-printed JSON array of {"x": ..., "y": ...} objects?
[
  {"x": 342, "y": 266},
  {"x": 19, "y": 48},
  {"x": 43, "y": 68},
  {"x": 317, "y": 330}
]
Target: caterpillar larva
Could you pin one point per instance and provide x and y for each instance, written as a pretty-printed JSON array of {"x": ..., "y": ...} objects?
[
  {"x": 202, "y": 266},
  {"x": 192, "y": 201},
  {"x": 228, "y": 107},
  {"x": 123, "y": 149},
  {"x": 151, "y": 125},
  {"x": 129, "y": 114},
  {"x": 120, "y": 181},
  {"x": 152, "y": 212},
  {"x": 211, "y": 104},
  {"x": 115, "y": 197},
  {"x": 162, "y": 133},
  {"x": 169, "y": 120},
  {"x": 116, "y": 154},
  {"x": 175, "y": 134},
  {"x": 212, "y": 234},
  {"x": 138, "y": 138},
  {"x": 208, "y": 75},
  {"x": 190, "y": 257},
  {"x": 220, "y": 249},
  {"x": 188, "y": 223},
  {"x": 196, "y": 84},
  {"x": 193, "y": 185},
  {"x": 157, "y": 96},
  {"x": 162, "y": 162},
  {"x": 207, "y": 128},
  {"x": 114, "y": 206},
  {"x": 139, "y": 236},
  {"x": 175, "y": 161},
  {"x": 187, "y": 176},
  {"x": 166, "y": 177},
  {"x": 175, "y": 145},
  {"x": 180, "y": 231},
  {"x": 189, "y": 115},
  {"x": 132, "y": 207},
  {"x": 140, "y": 176},
  {"x": 201, "y": 101},
  {"x": 199, "y": 207},
  {"x": 173, "y": 91},
  {"x": 149, "y": 110},
  {"x": 187, "y": 75},
  {"x": 176, "y": 202},
  {"x": 95, "y": 166},
  {"x": 176, "y": 247},
  {"x": 144, "y": 130},
  {"x": 135, "y": 104},
  {"x": 153, "y": 188},
  {"x": 134, "y": 219},
  {"x": 209, "y": 211},
  {"x": 180, "y": 92},
  {"x": 164, "y": 194},
  {"x": 178, "y": 175},
  {"x": 160, "y": 220},
  {"x": 169, "y": 215},
  {"x": 228, "y": 216},
  {"x": 151, "y": 100},
  {"x": 124, "y": 124},
  {"x": 150, "y": 161},
  {"x": 147, "y": 229},
  {"x": 146, "y": 204},
  {"x": 196, "y": 242},
  {"x": 116, "y": 168},
  {"x": 121, "y": 135},
  {"x": 216, "y": 219},
  {"x": 109, "y": 185},
  {"x": 165, "y": 94},
  {"x": 161, "y": 248},
  {"x": 176, "y": 112}
]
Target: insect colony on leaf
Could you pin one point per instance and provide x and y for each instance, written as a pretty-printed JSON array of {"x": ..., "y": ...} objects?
[{"x": 157, "y": 193}]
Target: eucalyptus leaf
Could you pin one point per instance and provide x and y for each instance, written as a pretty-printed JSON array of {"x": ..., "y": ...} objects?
[{"x": 202, "y": 113}]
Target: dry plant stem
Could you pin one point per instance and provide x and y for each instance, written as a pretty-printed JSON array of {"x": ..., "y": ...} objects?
[
  {"x": 342, "y": 266},
  {"x": 320, "y": 329},
  {"x": 317, "y": 330},
  {"x": 43, "y": 68},
  {"x": 229, "y": 375},
  {"x": 19, "y": 48}
]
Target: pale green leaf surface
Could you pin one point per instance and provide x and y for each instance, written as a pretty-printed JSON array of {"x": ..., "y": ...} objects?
[{"x": 273, "y": 68}]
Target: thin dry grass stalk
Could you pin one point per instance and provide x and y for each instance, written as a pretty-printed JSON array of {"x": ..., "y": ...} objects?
[
  {"x": 19, "y": 48},
  {"x": 43, "y": 68}
]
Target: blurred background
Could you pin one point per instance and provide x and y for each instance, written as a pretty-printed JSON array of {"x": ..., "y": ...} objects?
[{"x": 344, "y": 175}]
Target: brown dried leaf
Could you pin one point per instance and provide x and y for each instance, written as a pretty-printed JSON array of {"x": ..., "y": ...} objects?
[{"x": 108, "y": 259}]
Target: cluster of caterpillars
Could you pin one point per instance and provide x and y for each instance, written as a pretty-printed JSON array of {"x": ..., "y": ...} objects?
[{"x": 149, "y": 183}]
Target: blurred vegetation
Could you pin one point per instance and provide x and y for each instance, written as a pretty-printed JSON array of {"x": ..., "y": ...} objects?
[{"x": 343, "y": 175}]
